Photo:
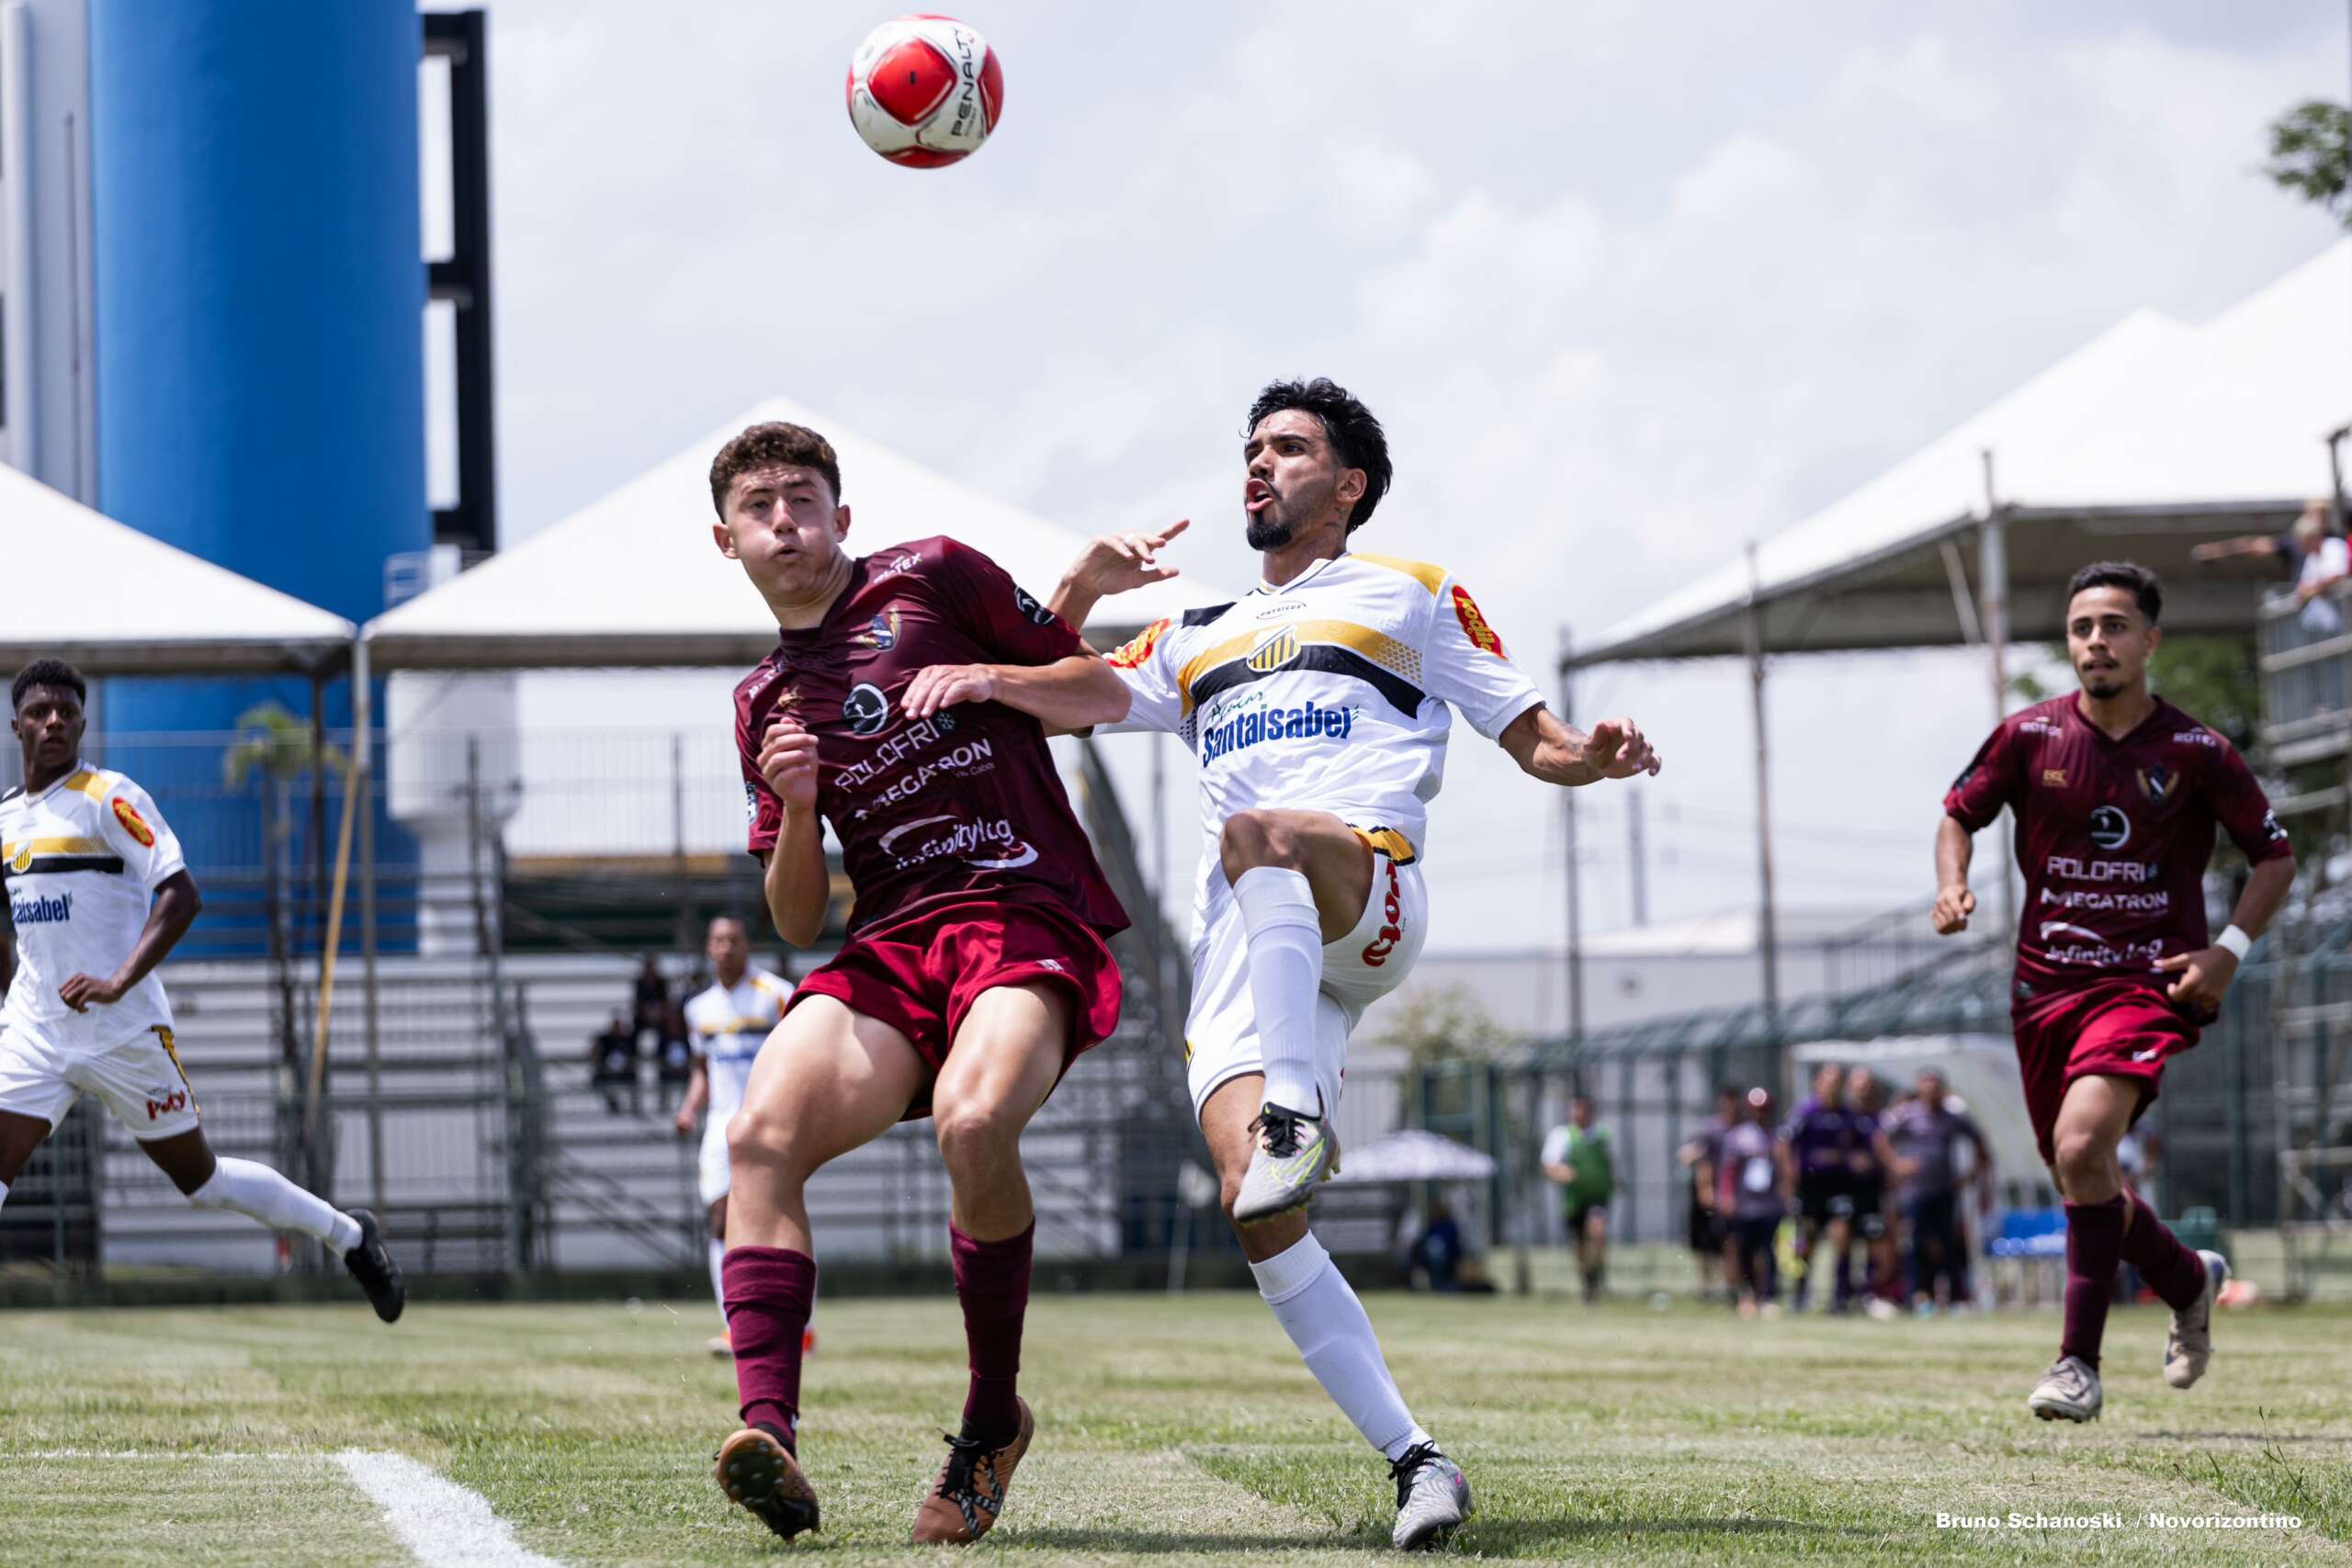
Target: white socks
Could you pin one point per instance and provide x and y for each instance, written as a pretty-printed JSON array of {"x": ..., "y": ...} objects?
[
  {"x": 1316, "y": 1307},
  {"x": 717, "y": 1284},
  {"x": 260, "y": 1193},
  {"x": 1286, "y": 973}
]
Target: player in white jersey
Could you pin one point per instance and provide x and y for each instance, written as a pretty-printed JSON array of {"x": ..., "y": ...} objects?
[
  {"x": 99, "y": 894},
  {"x": 728, "y": 1024},
  {"x": 1318, "y": 708}
]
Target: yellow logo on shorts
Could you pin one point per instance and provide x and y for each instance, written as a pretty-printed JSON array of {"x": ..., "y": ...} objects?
[{"x": 1276, "y": 649}]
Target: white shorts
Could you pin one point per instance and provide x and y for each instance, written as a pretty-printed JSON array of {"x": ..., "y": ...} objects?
[
  {"x": 1221, "y": 1035},
  {"x": 711, "y": 1177},
  {"x": 44, "y": 1069}
]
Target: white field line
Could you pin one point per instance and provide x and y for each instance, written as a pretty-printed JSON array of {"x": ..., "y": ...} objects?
[
  {"x": 443, "y": 1523},
  {"x": 13, "y": 1455}
]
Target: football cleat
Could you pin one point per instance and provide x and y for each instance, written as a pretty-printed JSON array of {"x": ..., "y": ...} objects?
[
  {"x": 372, "y": 1266},
  {"x": 2069, "y": 1391},
  {"x": 2191, "y": 1344},
  {"x": 965, "y": 1501},
  {"x": 757, "y": 1471},
  {"x": 1432, "y": 1498},
  {"x": 720, "y": 1345},
  {"x": 1293, "y": 1155}
]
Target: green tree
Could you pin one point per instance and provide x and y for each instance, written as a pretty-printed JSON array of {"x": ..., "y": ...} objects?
[
  {"x": 2310, "y": 154},
  {"x": 1440, "y": 1023}
]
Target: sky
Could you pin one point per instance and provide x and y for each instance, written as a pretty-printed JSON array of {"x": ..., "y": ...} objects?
[{"x": 1629, "y": 285}]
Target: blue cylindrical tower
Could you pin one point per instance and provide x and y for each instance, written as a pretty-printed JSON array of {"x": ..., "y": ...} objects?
[{"x": 260, "y": 293}]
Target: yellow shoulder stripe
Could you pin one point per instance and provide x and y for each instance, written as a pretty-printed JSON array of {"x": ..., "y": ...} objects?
[
  {"x": 1429, "y": 577},
  {"x": 90, "y": 782}
]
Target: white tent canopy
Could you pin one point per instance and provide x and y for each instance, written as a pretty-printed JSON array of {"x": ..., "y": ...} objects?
[
  {"x": 2150, "y": 438},
  {"x": 634, "y": 579},
  {"x": 163, "y": 610}
]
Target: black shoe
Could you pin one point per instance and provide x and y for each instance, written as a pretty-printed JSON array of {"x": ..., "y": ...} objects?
[
  {"x": 757, "y": 1470},
  {"x": 374, "y": 1269}
]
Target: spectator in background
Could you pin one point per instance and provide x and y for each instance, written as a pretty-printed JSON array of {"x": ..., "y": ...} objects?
[
  {"x": 1438, "y": 1253},
  {"x": 1822, "y": 1141},
  {"x": 1751, "y": 1174},
  {"x": 1926, "y": 1134},
  {"x": 653, "y": 1004},
  {"x": 2317, "y": 557},
  {"x": 1702, "y": 1156},
  {"x": 675, "y": 1065},
  {"x": 1873, "y": 1162},
  {"x": 612, "y": 1058},
  {"x": 1577, "y": 1157}
]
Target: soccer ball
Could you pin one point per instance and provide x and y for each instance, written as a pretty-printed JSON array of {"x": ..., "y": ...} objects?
[{"x": 924, "y": 91}]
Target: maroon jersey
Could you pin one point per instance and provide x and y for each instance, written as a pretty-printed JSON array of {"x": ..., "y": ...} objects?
[
  {"x": 965, "y": 802},
  {"x": 2113, "y": 836}
]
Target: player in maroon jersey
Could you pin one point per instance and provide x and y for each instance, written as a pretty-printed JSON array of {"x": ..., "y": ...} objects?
[
  {"x": 2116, "y": 794},
  {"x": 976, "y": 967}
]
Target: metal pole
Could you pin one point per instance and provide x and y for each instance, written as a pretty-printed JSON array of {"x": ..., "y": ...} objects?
[
  {"x": 363, "y": 779},
  {"x": 1159, "y": 927},
  {"x": 1568, "y": 810},
  {"x": 685, "y": 937},
  {"x": 1640, "y": 859},
  {"x": 310, "y": 1141},
  {"x": 1768, "y": 933},
  {"x": 1992, "y": 577}
]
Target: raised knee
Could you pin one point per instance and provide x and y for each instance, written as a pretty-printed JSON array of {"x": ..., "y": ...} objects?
[
  {"x": 762, "y": 1137},
  {"x": 974, "y": 1134},
  {"x": 1255, "y": 838}
]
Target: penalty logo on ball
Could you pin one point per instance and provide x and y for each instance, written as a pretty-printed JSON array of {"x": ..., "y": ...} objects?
[{"x": 924, "y": 91}]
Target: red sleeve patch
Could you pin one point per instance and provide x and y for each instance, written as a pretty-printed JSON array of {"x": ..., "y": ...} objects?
[
  {"x": 133, "y": 823},
  {"x": 1137, "y": 650},
  {"x": 1474, "y": 624}
]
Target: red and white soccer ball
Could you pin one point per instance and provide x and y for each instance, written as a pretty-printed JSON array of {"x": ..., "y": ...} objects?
[{"x": 924, "y": 91}]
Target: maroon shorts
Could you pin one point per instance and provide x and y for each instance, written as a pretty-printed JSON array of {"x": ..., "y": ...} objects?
[
  {"x": 921, "y": 973},
  {"x": 2114, "y": 1029}
]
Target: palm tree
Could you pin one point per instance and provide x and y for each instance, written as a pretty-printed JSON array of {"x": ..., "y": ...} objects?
[{"x": 274, "y": 751}]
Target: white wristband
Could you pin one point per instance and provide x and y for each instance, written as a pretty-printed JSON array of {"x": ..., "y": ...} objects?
[{"x": 2237, "y": 940}]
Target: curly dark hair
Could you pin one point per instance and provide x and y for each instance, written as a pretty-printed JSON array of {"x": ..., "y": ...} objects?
[
  {"x": 1355, "y": 435},
  {"x": 2131, "y": 576},
  {"x": 771, "y": 445},
  {"x": 48, "y": 673}
]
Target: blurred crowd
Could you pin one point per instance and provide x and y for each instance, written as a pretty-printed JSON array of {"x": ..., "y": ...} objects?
[
  {"x": 1855, "y": 1201},
  {"x": 651, "y": 1031}
]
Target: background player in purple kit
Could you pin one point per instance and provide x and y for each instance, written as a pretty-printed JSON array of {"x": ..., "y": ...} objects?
[
  {"x": 1822, "y": 1138},
  {"x": 2116, "y": 794},
  {"x": 975, "y": 969}
]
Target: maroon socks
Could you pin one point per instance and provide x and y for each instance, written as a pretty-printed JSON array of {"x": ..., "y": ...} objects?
[
  {"x": 2175, "y": 1273},
  {"x": 992, "y": 1286},
  {"x": 2094, "y": 1248},
  {"x": 770, "y": 1292}
]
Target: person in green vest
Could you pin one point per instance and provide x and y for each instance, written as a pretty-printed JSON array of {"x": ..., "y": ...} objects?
[{"x": 1577, "y": 1157}]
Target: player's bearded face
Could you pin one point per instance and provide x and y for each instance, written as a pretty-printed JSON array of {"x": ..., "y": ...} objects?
[
  {"x": 1292, "y": 480},
  {"x": 2109, "y": 641},
  {"x": 785, "y": 525}
]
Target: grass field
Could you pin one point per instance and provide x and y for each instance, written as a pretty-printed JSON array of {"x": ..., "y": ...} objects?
[{"x": 1168, "y": 1427}]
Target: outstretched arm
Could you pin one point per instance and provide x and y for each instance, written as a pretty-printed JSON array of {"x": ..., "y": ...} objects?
[
  {"x": 176, "y": 902},
  {"x": 2229, "y": 550},
  {"x": 1111, "y": 564},
  {"x": 1955, "y": 847},
  {"x": 1071, "y": 693},
  {"x": 1558, "y": 753}
]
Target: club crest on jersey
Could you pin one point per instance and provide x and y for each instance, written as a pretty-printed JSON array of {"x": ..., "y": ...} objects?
[
  {"x": 22, "y": 861},
  {"x": 133, "y": 823},
  {"x": 1136, "y": 650},
  {"x": 865, "y": 710},
  {"x": 881, "y": 632},
  {"x": 2157, "y": 782},
  {"x": 1275, "y": 647},
  {"x": 2110, "y": 828},
  {"x": 1474, "y": 624},
  {"x": 2054, "y": 778}
]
